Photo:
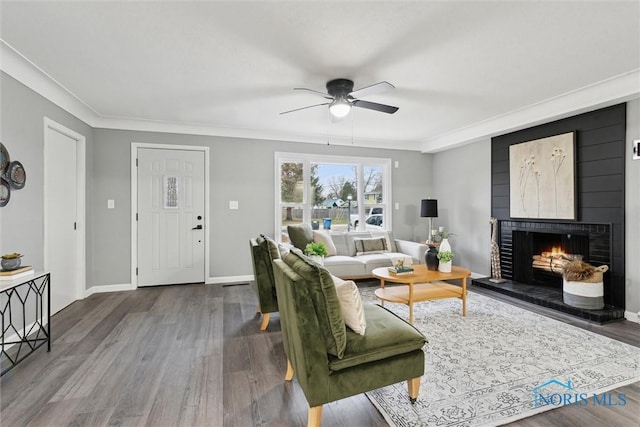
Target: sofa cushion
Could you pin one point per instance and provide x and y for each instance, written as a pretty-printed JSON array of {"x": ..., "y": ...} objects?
[
  {"x": 345, "y": 266},
  {"x": 370, "y": 245},
  {"x": 351, "y": 304},
  {"x": 325, "y": 300},
  {"x": 386, "y": 336},
  {"x": 391, "y": 243},
  {"x": 300, "y": 235},
  {"x": 350, "y": 246},
  {"x": 324, "y": 238}
]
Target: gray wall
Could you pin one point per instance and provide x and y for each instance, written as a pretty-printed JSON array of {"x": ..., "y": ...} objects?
[
  {"x": 22, "y": 132},
  {"x": 241, "y": 170},
  {"x": 462, "y": 183},
  {"x": 632, "y": 212}
]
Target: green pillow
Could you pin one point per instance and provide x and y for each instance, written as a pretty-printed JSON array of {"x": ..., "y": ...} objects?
[
  {"x": 325, "y": 300},
  {"x": 300, "y": 235}
]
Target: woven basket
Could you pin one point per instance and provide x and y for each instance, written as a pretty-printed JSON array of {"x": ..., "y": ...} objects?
[{"x": 587, "y": 293}]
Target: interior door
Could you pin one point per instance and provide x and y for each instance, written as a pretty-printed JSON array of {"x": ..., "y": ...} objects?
[
  {"x": 61, "y": 207},
  {"x": 171, "y": 235}
]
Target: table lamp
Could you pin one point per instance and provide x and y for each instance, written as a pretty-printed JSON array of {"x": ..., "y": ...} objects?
[{"x": 429, "y": 209}]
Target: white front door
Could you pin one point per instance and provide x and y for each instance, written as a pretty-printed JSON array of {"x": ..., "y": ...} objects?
[
  {"x": 171, "y": 235},
  {"x": 63, "y": 252}
]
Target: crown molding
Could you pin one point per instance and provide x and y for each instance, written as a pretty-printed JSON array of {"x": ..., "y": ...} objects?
[
  {"x": 220, "y": 131},
  {"x": 612, "y": 91},
  {"x": 16, "y": 65}
]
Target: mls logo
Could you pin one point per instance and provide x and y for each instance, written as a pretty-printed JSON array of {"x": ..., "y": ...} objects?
[{"x": 558, "y": 393}]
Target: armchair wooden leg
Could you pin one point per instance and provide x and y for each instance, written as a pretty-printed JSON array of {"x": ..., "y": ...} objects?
[
  {"x": 265, "y": 321},
  {"x": 289, "y": 375},
  {"x": 315, "y": 416},
  {"x": 414, "y": 388}
]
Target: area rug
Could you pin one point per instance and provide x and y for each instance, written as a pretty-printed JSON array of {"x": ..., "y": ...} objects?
[{"x": 502, "y": 363}]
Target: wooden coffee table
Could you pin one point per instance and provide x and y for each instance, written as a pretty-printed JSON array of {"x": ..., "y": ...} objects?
[{"x": 422, "y": 285}]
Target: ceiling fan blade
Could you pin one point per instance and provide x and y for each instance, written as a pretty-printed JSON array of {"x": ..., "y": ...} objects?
[
  {"x": 304, "y": 108},
  {"x": 374, "y": 106},
  {"x": 370, "y": 90},
  {"x": 315, "y": 92}
]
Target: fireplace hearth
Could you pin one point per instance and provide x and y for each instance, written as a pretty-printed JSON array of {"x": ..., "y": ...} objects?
[{"x": 532, "y": 254}]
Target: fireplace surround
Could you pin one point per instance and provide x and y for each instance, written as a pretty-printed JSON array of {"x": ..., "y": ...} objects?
[{"x": 598, "y": 231}]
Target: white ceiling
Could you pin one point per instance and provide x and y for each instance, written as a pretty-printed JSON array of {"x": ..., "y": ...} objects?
[{"x": 460, "y": 69}]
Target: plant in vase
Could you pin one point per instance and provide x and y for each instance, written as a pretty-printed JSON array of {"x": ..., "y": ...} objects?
[
  {"x": 316, "y": 251},
  {"x": 445, "y": 258}
]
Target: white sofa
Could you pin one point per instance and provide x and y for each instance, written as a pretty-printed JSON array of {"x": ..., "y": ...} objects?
[{"x": 347, "y": 265}]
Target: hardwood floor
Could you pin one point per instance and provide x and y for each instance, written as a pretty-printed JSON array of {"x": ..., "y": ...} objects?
[{"x": 193, "y": 355}]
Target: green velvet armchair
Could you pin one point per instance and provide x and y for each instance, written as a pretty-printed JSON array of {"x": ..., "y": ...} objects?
[
  {"x": 329, "y": 360},
  {"x": 263, "y": 251}
]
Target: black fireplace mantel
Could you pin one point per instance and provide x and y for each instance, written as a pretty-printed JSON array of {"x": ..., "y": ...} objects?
[{"x": 600, "y": 175}]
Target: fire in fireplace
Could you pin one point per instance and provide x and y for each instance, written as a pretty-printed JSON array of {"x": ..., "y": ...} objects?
[
  {"x": 538, "y": 257},
  {"x": 554, "y": 260}
]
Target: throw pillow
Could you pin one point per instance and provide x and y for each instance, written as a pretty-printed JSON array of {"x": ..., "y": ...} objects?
[
  {"x": 324, "y": 237},
  {"x": 300, "y": 235},
  {"x": 374, "y": 245},
  {"x": 325, "y": 300},
  {"x": 351, "y": 305}
]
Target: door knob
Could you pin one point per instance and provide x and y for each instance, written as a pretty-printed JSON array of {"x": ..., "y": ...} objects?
[{"x": 197, "y": 227}]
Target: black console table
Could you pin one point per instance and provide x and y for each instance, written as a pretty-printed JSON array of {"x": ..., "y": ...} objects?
[{"x": 25, "y": 307}]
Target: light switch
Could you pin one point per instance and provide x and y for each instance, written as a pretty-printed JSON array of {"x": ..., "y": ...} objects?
[
  {"x": 111, "y": 204},
  {"x": 397, "y": 164},
  {"x": 397, "y": 206},
  {"x": 233, "y": 204}
]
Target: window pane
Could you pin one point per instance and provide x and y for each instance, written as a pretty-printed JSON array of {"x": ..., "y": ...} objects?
[
  {"x": 332, "y": 185},
  {"x": 373, "y": 186},
  {"x": 291, "y": 182}
]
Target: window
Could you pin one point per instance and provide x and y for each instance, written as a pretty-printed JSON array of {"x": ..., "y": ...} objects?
[{"x": 331, "y": 192}]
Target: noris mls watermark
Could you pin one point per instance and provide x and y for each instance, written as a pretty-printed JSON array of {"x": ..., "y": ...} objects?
[{"x": 557, "y": 393}]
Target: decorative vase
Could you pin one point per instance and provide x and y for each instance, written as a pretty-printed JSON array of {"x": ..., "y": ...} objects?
[
  {"x": 431, "y": 258},
  {"x": 445, "y": 246},
  {"x": 444, "y": 267},
  {"x": 9, "y": 264}
]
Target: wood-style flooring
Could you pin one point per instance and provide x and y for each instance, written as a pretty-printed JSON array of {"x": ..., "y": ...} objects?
[{"x": 193, "y": 355}]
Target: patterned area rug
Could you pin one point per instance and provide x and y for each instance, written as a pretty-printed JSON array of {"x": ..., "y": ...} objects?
[{"x": 502, "y": 363}]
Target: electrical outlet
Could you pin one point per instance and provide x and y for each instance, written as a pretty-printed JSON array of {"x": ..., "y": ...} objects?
[{"x": 636, "y": 149}]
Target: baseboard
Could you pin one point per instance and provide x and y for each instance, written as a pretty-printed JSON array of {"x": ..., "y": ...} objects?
[
  {"x": 108, "y": 288},
  {"x": 477, "y": 275},
  {"x": 229, "y": 279},
  {"x": 632, "y": 317}
]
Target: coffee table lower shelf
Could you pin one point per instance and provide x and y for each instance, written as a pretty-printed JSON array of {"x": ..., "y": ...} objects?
[{"x": 421, "y": 292}]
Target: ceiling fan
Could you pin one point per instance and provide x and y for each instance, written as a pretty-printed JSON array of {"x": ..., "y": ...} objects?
[{"x": 342, "y": 97}]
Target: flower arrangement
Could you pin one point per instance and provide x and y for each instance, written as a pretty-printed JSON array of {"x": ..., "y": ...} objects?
[{"x": 318, "y": 249}]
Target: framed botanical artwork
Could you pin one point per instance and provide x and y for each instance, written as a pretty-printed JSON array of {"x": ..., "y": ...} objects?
[{"x": 542, "y": 178}]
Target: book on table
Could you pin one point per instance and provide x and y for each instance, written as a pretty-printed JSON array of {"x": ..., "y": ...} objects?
[
  {"x": 17, "y": 273},
  {"x": 401, "y": 271}
]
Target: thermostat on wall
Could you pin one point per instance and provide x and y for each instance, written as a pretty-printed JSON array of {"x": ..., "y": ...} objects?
[{"x": 636, "y": 149}]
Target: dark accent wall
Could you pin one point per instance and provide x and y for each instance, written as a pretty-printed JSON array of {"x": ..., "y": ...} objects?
[{"x": 600, "y": 175}]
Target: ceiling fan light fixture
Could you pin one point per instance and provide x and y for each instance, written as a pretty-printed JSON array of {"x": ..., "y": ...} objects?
[{"x": 340, "y": 107}]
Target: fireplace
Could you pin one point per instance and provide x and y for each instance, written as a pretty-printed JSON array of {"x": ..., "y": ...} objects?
[
  {"x": 527, "y": 248},
  {"x": 538, "y": 256},
  {"x": 599, "y": 227}
]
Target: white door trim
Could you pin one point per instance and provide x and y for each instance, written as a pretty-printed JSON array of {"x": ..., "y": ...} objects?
[
  {"x": 81, "y": 142},
  {"x": 134, "y": 202}
]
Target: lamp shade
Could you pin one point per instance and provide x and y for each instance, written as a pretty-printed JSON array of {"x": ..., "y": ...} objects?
[{"x": 429, "y": 208}]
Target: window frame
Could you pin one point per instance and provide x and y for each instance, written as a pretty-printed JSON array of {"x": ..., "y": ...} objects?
[{"x": 307, "y": 160}]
